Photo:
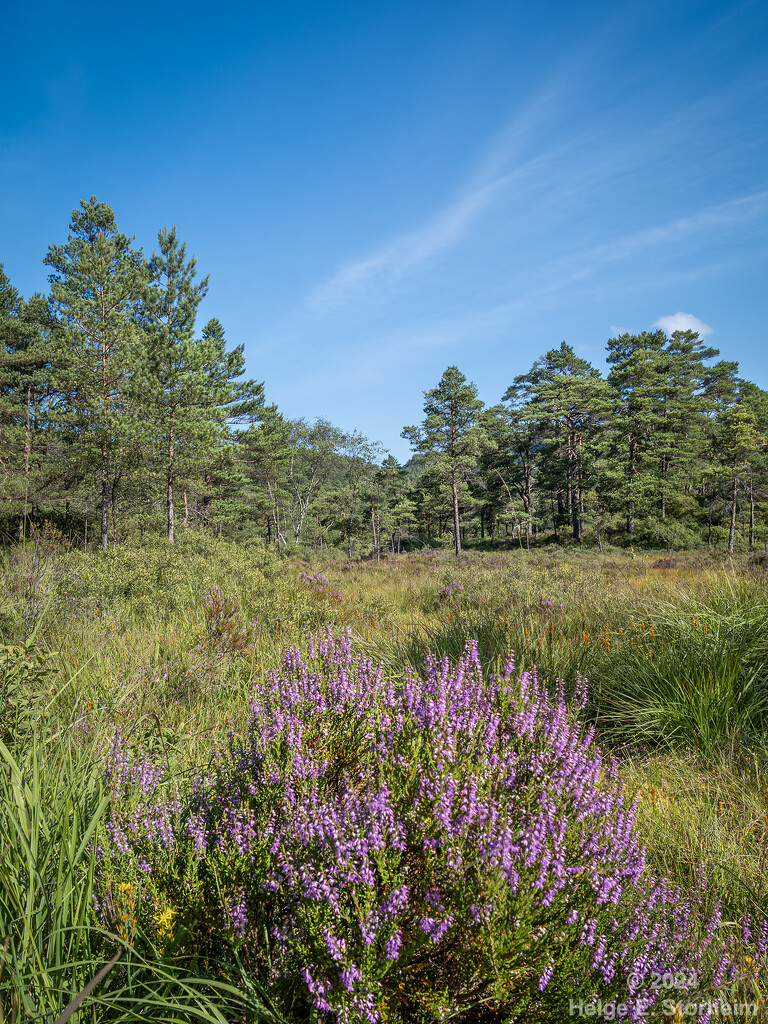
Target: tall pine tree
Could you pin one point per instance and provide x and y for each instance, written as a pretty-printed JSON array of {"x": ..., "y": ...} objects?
[
  {"x": 97, "y": 285},
  {"x": 450, "y": 439},
  {"x": 176, "y": 372}
]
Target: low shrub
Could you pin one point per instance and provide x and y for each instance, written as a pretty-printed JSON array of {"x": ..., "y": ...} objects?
[{"x": 451, "y": 845}]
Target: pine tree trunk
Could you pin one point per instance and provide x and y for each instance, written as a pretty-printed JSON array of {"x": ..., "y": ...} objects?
[
  {"x": 577, "y": 500},
  {"x": 709, "y": 522},
  {"x": 576, "y": 522},
  {"x": 630, "y": 490},
  {"x": 732, "y": 532},
  {"x": 105, "y": 495},
  {"x": 751, "y": 513},
  {"x": 555, "y": 517},
  {"x": 170, "y": 469},
  {"x": 27, "y": 453},
  {"x": 351, "y": 523},
  {"x": 456, "y": 529},
  {"x": 569, "y": 495}
]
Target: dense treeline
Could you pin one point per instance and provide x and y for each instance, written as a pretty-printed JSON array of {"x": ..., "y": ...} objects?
[{"x": 117, "y": 417}]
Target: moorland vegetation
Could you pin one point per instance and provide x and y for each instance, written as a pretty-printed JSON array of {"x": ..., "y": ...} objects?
[
  {"x": 415, "y": 789},
  {"x": 292, "y": 733}
]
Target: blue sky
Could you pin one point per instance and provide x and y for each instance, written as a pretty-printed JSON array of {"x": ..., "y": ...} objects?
[{"x": 380, "y": 190}]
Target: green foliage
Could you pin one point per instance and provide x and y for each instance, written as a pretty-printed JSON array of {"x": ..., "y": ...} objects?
[
  {"x": 694, "y": 673},
  {"x": 138, "y": 647},
  {"x": 50, "y": 807},
  {"x": 450, "y": 439},
  {"x": 154, "y": 574},
  {"x": 671, "y": 534},
  {"x": 24, "y": 674},
  {"x": 112, "y": 408}
]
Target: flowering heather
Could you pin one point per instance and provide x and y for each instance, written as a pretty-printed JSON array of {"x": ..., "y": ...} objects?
[
  {"x": 321, "y": 585},
  {"x": 425, "y": 845},
  {"x": 454, "y": 587}
]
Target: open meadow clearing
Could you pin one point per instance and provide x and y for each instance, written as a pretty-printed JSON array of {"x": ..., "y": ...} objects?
[{"x": 414, "y": 789}]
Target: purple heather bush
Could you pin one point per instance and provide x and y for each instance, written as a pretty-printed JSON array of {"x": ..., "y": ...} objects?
[{"x": 423, "y": 846}]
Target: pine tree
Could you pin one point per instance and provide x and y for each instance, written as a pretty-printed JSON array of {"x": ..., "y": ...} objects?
[
  {"x": 15, "y": 383},
  {"x": 97, "y": 285},
  {"x": 740, "y": 439},
  {"x": 635, "y": 376},
  {"x": 450, "y": 438},
  {"x": 507, "y": 467},
  {"x": 268, "y": 450},
  {"x": 564, "y": 403},
  {"x": 358, "y": 456},
  {"x": 176, "y": 378},
  {"x": 228, "y": 404},
  {"x": 755, "y": 401},
  {"x": 679, "y": 419},
  {"x": 397, "y": 504},
  {"x": 31, "y": 469}
]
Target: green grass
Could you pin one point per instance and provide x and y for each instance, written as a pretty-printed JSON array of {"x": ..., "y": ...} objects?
[
  {"x": 675, "y": 649},
  {"x": 58, "y": 961}
]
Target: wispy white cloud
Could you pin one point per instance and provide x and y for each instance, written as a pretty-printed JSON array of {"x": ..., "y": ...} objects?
[
  {"x": 411, "y": 339},
  {"x": 510, "y": 156},
  {"x": 711, "y": 218},
  {"x": 515, "y": 157},
  {"x": 391, "y": 263},
  {"x": 683, "y": 322}
]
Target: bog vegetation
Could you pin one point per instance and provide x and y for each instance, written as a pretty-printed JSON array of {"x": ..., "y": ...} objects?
[
  {"x": 418, "y": 789},
  {"x": 271, "y": 752}
]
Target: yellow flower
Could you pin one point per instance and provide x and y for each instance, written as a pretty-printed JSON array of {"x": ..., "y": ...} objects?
[
  {"x": 753, "y": 965},
  {"x": 127, "y": 917},
  {"x": 164, "y": 926}
]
